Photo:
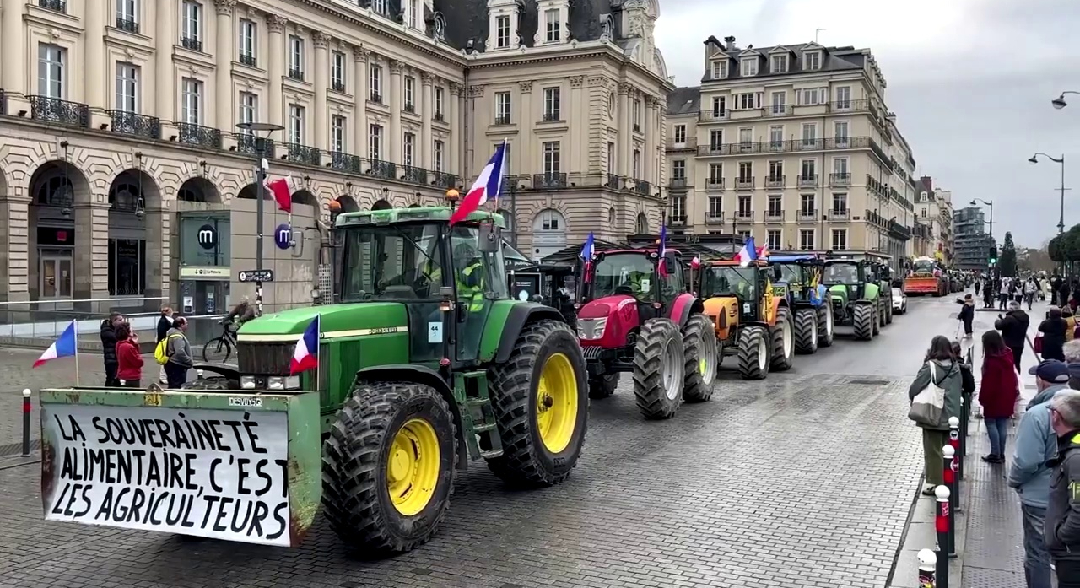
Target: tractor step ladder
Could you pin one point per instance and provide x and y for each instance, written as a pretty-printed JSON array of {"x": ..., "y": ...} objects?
[{"x": 479, "y": 416}]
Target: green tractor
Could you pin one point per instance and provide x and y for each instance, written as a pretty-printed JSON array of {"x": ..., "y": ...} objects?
[
  {"x": 425, "y": 362},
  {"x": 856, "y": 296},
  {"x": 883, "y": 275}
]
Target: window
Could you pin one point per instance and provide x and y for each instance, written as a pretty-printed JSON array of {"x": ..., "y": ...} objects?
[
  {"x": 749, "y": 67},
  {"x": 552, "y": 108},
  {"x": 840, "y": 131},
  {"x": 779, "y": 103},
  {"x": 550, "y": 220},
  {"x": 502, "y": 28},
  {"x": 678, "y": 207},
  {"x": 806, "y": 239},
  {"x": 806, "y": 205},
  {"x": 776, "y": 170},
  {"x": 839, "y": 204},
  {"x": 551, "y": 19},
  {"x": 746, "y": 171},
  {"x": 611, "y": 157},
  {"x": 779, "y": 63},
  {"x": 551, "y": 157},
  {"x": 776, "y": 137},
  {"x": 839, "y": 239},
  {"x": 410, "y": 93},
  {"x": 296, "y": 124},
  {"x": 716, "y": 207},
  {"x": 191, "y": 101},
  {"x": 716, "y": 173},
  {"x": 840, "y": 166},
  {"x": 507, "y": 160},
  {"x": 719, "y": 106},
  {"x": 440, "y": 96},
  {"x": 810, "y": 96},
  {"x": 127, "y": 87},
  {"x": 338, "y": 126},
  {"x": 716, "y": 139},
  {"x": 775, "y": 205},
  {"x": 680, "y": 134},
  {"x": 746, "y": 136},
  {"x": 337, "y": 71},
  {"x": 414, "y": 8},
  {"x": 636, "y": 165},
  {"x": 408, "y": 148},
  {"x": 812, "y": 60},
  {"x": 719, "y": 69},
  {"x": 247, "y": 42},
  {"x": 127, "y": 15},
  {"x": 745, "y": 206},
  {"x": 296, "y": 57},
  {"x": 379, "y": 6},
  {"x": 191, "y": 33},
  {"x": 772, "y": 237},
  {"x": 375, "y": 82},
  {"x": 375, "y": 133},
  {"x": 439, "y": 154},
  {"x": 249, "y": 108},
  {"x": 637, "y": 115},
  {"x": 809, "y": 135},
  {"x": 749, "y": 100},
  {"x": 502, "y": 108},
  {"x": 843, "y": 98},
  {"x": 678, "y": 169},
  {"x": 809, "y": 169},
  {"x": 744, "y": 234}
]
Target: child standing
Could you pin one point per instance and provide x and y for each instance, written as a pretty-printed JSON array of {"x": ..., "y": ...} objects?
[{"x": 967, "y": 314}]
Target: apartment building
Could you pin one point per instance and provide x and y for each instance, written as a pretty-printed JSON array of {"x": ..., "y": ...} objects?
[
  {"x": 794, "y": 145},
  {"x": 934, "y": 209},
  {"x": 972, "y": 244},
  {"x": 124, "y": 174}
]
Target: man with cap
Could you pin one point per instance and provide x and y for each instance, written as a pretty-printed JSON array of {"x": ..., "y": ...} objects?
[{"x": 1035, "y": 445}]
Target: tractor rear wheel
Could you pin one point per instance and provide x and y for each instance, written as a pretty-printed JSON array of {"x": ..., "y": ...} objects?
[
  {"x": 877, "y": 317},
  {"x": 658, "y": 369},
  {"x": 825, "y": 322},
  {"x": 806, "y": 330},
  {"x": 783, "y": 340},
  {"x": 753, "y": 352},
  {"x": 388, "y": 467},
  {"x": 863, "y": 320},
  {"x": 600, "y": 387},
  {"x": 888, "y": 310},
  {"x": 540, "y": 400},
  {"x": 700, "y": 355}
]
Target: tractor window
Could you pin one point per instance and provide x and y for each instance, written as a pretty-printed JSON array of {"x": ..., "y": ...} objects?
[
  {"x": 842, "y": 273},
  {"x": 791, "y": 273},
  {"x": 464, "y": 241},
  {"x": 393, "y": 262},
  {"x": 633, "y": 274},
  {"x": 740, "y": 282}
]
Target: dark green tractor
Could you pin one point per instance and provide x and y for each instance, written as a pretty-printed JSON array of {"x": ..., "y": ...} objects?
[
  {"x": 856, "y": 296},
  {"x": 883, "y": 275},
  {"x": 798, "y": 278}
]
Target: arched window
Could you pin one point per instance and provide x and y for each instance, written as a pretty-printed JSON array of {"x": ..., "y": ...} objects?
[
  {"x": 642, "y": 224},
  {"x": 549, "y": 233}
]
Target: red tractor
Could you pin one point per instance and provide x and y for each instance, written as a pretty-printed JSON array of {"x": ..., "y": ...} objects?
[{"x": 633, "y": 318}]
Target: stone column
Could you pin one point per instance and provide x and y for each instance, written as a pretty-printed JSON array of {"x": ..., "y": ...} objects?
[
  {"x": 322, "y": 86},
  {"x": 453, "y": 165},
  {"x": 94, "y": 64},
  {"x": 15, "y": 237},
  {"x": 158, "y": 258},
  {"x": 576, "y": 115},
  {"x": 91, "y": 261},
  {"x": 360, "y": 98},
  {"x": 223, "y": 74},
  {"x": 523, "y": 151},
  {"x": 626, "y": 132},
  {"x": 164, "y": 38},
  {"x": 394, "y": 153},
  {"x": 427, "y": 111},
  {"x": 14, "y": 47},
  {"x": 276, "y": 70},
  {"x": 649, "y": 155}
]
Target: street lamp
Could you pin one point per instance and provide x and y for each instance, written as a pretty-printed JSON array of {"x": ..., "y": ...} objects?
[
  {"x": 260, "y": 193},
  {"x": 1059, "y": 102},
  {"x": 1060, "y": 161},
  {"x": 989, "y": 203}
]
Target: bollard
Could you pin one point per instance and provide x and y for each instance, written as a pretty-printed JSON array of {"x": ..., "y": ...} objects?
[
  {"x": 927, "y": 569},
  {"x": 954, "y": 442},
  {"x": 26, "y": 422},
  {"x": 948, "y": 473},
  {"x": 943, "y": 523},
  {"x": 963, "y": 436}
]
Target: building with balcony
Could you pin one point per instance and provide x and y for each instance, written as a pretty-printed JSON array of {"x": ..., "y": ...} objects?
[
  {"x": 934, "y": 208},
  {"x": 124, "y": 174},
  {"x": 972, "y": 245},
  {"x": 794, "y": 145}
]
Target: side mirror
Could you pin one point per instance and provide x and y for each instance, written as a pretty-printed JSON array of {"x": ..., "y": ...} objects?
[{"x": 490, "y": 241}]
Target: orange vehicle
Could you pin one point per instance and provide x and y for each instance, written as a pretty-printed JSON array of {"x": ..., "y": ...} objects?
[{"x": 926, "y": 277}]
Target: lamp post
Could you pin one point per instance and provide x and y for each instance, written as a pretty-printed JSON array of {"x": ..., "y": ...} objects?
[
  {"x": 1059, "y": 102},
  {"x": 1060, "y": 161},
  {"x": 990, "y": 204},
  {"x": 260, "y": 194}
]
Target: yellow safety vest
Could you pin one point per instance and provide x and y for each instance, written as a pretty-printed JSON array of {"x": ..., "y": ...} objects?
[{"x": 474, "y": 294}]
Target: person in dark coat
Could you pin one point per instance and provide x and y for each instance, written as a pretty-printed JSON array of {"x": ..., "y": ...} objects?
[
  {"x": 999, "y": 388},
  {"x": 1014, "y": 326},
  {"x": 108, "y": 347},
  {"x": 967, "y": 313},
  {"x": 1053, "y": 338},
  {"x": 1062, "y": 523},
  {"x": 163, "y": 325}
]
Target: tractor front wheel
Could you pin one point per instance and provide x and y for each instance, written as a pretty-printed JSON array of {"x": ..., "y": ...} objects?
[
  {"x": 877, "y": 317},
  {"x": 888, "y": 310},
  {"x": 388, "y": 467},
  {"x": 540, "y": 400},
  {"x": 806, "y": 330},
  {"x": 826, "y": 323},
  {"x": 658, "y": 369},
  {"x": 753, "y": 352},
  {"x": 863, "y": 320},
  {"x": 783, "y": 341},
  {"x": 700, "y": 356},
  {"x": 600, "y": 387}
]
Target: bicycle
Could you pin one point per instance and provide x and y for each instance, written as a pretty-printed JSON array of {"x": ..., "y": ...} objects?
[{"x": 221, "y": 347}]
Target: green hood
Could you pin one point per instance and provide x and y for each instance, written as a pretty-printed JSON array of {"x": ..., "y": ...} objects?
[{"x": 333, "y": 317}]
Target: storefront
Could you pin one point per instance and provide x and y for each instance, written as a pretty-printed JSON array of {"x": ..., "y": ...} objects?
[{"x": 204, "y": 273}]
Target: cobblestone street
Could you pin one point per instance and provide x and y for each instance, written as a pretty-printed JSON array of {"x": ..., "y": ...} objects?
[{"x": 803, "y": 480}]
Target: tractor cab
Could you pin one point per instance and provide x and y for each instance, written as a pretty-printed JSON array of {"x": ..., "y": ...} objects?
[
  {"x": 747, "y": 285},
  {"x": 856, "y": 295}
]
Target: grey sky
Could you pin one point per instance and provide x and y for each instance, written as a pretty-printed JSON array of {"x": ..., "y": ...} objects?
[{"x": 969, "y": 80}]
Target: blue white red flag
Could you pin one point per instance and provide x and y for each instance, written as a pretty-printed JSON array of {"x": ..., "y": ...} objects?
[
  {"x": 763, "y": 251},
  {"x": 587, "y": 255},
  {"x": 485, "y": 188},
  {"x": 65, "y": 346},
  {"x": 306, "y": 355},
  {"x": 661, "y": 252},
  {"x": 748, "y": 252}
]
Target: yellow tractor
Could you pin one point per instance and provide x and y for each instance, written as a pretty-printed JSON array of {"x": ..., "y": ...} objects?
[{"x": 751, "y": 323}]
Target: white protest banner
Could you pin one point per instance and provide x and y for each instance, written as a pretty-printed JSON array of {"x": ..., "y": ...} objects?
[{"x": 208, "y": 473}]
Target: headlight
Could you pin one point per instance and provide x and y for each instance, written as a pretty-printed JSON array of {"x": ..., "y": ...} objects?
[
  {"x": 247, "y": 382},
  {"x": 591, "y": 328}
]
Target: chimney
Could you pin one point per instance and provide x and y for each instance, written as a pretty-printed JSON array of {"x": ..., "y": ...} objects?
[
  {"x": 730, "y": 40},
  {"x": 928, "y": 183}
]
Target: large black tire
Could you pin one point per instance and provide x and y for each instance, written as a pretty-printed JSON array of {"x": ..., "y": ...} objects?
[
  {"x": 888, "y": 309},
  {"x": 658, "y": 369},
  {"x": 806, "y": 330},
  {"x": 783, "y": 340},
  {"x": 753, "y": 352},
  {"x": 863, "y": 320},
  {"x": 526, "y": 460},
  {"x": 600, "y": 387},
  {"x": 701, "y": 358},
  {"x": 877, "y": 317},
  {"x": 826, "y": 323},
  {"x": 355, "y": 490}
]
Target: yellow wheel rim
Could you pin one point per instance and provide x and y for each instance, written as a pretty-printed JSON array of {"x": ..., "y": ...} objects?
[
  {"x": 702, "y": 365},
  {"x": 557, "y": 403},
  {"x": 412, "y": 468}
]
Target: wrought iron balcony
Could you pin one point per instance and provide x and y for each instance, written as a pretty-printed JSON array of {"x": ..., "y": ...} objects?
[
  {"x": 808, "y": 214},
  {"x": 713, "y": 115},
  {"x": 127, "y": 25},
  {"x": 502, "y": 120},
  {"x": 716, "y": 184},
  {"x": 811, "y": 144},
  {"x": 55, "y": 110},
  {"x": 250, "y": 145},
  {"x": 775, "y": 181},
  {"x": 552, "y": 117},
  {"x": 744, "y": 183},
  {"x": 302, "y": 154},
  {"x": 841, "y": 179},
  {"x": 808, "y": 181},
  {"x": 778, "y": 110},
  {"x": 678, "y": 183},
  {"x": 130, "y": 123},
  {"x": 686, "y": 143},
  {"x": 612, "y": 182},
  {"x": 382, "y": 169},
  {"x": 549, "y": 181},
  {"x": 54, "y": 5},
  {"x": 376, "y": 97},
  {"x": 409, "y": 107},
  {"x": 296, "y": 73},
  {"x": 191, "y": 43},
  {"x": 775, "y": 215},
  {"x": 345, "y": 162},
  {"x": 248, "y": 60},
  {"x": 840, "y": 214},
  {"x": 745, "y": 215},
  {"x": 338, "y": 86},
  {"x": 443, "y": 180},
  {"x": 795, "y": 145},
  {"x": 678, "y": 220},
  {"x": 199, "y": 135},
  {"x": 642, "y": 187},
  {"x": 899, "y": 231},
  {"x": 414, "y": 174},
  {"x": 714, "y": 218}
]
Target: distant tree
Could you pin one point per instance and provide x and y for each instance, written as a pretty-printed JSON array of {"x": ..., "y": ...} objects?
[
  {"x": 1007, "y": 261},
  {"x": 1034, "y": 260}
]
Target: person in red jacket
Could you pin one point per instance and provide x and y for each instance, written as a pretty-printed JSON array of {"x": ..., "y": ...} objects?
[
  {"x": 127, "y": 353},
  {"x": 998, "y": 392}
]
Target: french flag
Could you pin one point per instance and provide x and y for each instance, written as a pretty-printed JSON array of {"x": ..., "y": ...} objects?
[
  {"x": 587, "y": 255},
  {"x": 306, "y": 355},
  {"x": 748, "y": 252},
  {"x": 661, "y": 252},
  {"x": 485, "y": 188},
  {"x": 281, "y": 188},
  {"x": 62, "y": 347},
  {"x": 695, "y": 263}
]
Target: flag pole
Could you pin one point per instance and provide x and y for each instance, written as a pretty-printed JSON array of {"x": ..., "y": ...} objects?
[
  {"x": 318, "y": 351},
  {"x": 75, "y": 330}
]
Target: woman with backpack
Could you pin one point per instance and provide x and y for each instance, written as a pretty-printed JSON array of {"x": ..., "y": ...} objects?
[
  {"x": 938, "y": 377},
  {"x": 998, "y": 390}
]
